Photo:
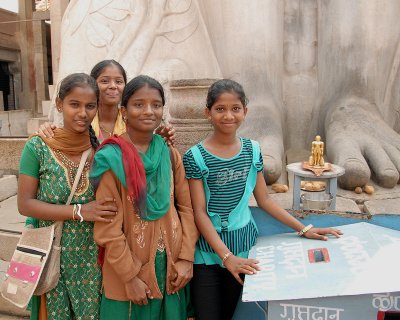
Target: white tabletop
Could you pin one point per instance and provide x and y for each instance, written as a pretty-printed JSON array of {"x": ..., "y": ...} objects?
[{"x": 297, "y": 169}]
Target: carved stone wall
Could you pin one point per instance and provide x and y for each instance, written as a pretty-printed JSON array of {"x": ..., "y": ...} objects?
[{"x": 308, "y": 67}]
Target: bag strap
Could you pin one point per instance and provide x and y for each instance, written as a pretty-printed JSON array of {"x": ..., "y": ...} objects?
[
  {"x": 85, "y": 155},
  {"x": 256, "y": 151},
  {"x": 198, "y": 158},
  {"x": 58, "y": 225}
]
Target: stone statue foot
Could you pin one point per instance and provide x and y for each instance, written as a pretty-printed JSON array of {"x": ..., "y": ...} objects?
[
  {"x": 272, "y": 147},
  {"x": 264, "y": 126},
  {"x": 358, "y": 139}
]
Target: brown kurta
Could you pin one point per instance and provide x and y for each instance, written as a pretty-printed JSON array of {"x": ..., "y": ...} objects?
[{"x": 131, "y": 243}]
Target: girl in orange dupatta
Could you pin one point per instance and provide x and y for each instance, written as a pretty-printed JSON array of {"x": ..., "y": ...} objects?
[{"x": 47, "y": 170}]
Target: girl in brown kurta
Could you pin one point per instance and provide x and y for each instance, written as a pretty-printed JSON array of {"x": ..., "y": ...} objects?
[{"x": 149, "y": 245}]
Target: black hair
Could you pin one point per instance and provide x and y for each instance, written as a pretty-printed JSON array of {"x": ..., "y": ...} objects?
[
  {"x": 100, "y": 66},
  {"x": 75, "y": 80},
  {"x": 138, "y": 83},
  {"x": 81, "y": 80},
  {"x": 93, "y": 138},
  {"x": 225, "y": 85}
]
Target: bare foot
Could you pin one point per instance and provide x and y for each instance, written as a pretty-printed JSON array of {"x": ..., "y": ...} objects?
[{"x": 359, "y": 140}]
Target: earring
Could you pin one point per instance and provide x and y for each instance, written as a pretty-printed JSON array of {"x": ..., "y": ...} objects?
[{"x": 124, "y": 119}]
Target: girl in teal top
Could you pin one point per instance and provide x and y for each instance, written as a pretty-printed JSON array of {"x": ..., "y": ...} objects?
[{"x": 223, "y": 171}]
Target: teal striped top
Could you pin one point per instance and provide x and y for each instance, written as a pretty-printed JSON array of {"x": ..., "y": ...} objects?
[{"x": 226, "y": 180}]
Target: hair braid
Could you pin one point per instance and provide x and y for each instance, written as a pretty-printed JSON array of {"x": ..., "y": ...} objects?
[{"x": 93, "y": 139}]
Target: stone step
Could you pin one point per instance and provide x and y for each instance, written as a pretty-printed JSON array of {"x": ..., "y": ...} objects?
[
  {"x": 8, "y": 186},
  {"x": 46, "y": 105},
  {"x": 389, "y": 206},
  {"x": 33, "y": 124},
  {"x": 11, "y": 226},
  {"x": 10, "y": 150}
]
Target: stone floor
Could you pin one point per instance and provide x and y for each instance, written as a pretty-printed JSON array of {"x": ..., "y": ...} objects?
[
  {"x": 11, "y": 222},
  {"x": 10, "y": 219}
]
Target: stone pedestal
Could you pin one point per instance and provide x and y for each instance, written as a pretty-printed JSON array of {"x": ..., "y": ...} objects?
[
  {"x": 188, "y": 100},
  {"x": 301, "y": 174}
]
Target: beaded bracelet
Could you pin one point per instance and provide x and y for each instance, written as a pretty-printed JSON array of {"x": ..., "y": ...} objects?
[
  {"x": 225, "y": 257},
  {"x": 304, "y": 230}
]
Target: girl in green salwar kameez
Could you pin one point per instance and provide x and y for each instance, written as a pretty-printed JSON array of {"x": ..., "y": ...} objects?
[{"x": 47, "y": 170}]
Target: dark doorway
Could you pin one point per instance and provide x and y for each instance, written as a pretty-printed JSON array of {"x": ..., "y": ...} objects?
[{"x": 7, "y": 87}]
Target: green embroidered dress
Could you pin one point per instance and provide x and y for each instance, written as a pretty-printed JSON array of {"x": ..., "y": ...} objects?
[{"x": 77, "y": 295}]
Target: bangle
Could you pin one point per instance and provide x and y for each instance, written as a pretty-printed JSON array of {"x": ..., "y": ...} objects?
[
  {"x": 225, "y": 257},
  {"x": 73, "y": 212},
  {"x": 304, "y": 230},
  {"x": 78, "y": 212}
]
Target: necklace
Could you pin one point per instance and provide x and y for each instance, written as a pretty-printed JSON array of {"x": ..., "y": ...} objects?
[
  {"x": 110, "y": 133},
  {"x": 71, "y": 170}
]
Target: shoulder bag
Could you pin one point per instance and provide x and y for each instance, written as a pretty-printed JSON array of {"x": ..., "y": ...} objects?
[{"x": 35, "y": 265}]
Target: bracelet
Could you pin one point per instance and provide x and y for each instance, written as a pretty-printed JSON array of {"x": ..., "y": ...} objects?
[
  {"x": 304, "y": 230},
  {"x": 73, "y": 212},
  {"x": 78, "y": 212},
  {"x": 225, "y": 257}
]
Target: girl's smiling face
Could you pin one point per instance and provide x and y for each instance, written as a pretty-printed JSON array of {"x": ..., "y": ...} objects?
[
  {"x": 111, "y": 84},
  {"x": 227, "y": 113},
  {"x": 144, "y": 109},
  {"x": 78, "y": 107}
]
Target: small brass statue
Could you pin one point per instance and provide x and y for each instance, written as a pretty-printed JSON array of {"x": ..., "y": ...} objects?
[
  {"x": 317, "y": 153},
  {"x": 316, "y": 162}
]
